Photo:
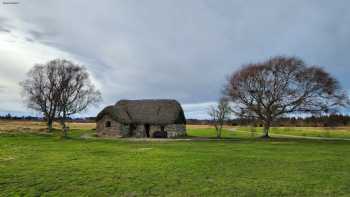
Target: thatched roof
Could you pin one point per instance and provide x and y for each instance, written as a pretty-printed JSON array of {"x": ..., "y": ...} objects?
[{"x": 158, "y": 112}]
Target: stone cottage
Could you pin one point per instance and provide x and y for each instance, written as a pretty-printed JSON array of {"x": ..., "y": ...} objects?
[{"x": 142, "y": 118}]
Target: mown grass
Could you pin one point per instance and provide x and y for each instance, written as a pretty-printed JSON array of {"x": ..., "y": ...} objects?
[
  {"x": 255, "y": 132},
  {"x": 324, "y": 132},
  {"x": 192, "y": 130},
  {"x": 45, "y": 165}
]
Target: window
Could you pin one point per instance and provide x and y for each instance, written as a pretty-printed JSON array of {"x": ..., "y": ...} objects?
[{"x": 108, "y": 124}]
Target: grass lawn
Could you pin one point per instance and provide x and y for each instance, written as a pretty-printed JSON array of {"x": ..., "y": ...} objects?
[
  {"x": 338, "y": 132},
  {"x": 249, "y": 132},
  {"x": 44, "y": 165}
]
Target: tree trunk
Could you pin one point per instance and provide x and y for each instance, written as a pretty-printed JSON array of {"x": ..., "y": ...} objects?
[
  {"x": 64, "y": 128},
  {"x": 49, "y": 125},
  {"x": 218, "y": 133},
  {"x": 220, "y": 130},
  {"x": 65, "y": 131},
  {"x": 266, "y": 130}
]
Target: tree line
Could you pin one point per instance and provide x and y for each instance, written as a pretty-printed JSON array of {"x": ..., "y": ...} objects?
[
  {"x": 333, "y": 120},
  {"x": 9, "y": 116}
]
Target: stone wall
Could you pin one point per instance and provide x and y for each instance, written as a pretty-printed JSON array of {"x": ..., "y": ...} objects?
[
  {"x": 122, "y": 130},
  {"x": 139, "y": 131},
  {"x": 173, "y": 130},
  {"x": 115, "y": 130},
  {"x": 176, "y": 130}
]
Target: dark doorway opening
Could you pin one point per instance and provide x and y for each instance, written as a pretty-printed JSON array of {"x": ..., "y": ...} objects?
[
  {"x": 147, "y": 128},
  {"x": 108, "y": 124},
  {"x": 132, "y": 128}
]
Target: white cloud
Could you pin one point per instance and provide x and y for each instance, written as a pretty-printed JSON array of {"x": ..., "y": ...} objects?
[
  {"x": 17, "y": 57},
  {"x": 197, "y": 110}
]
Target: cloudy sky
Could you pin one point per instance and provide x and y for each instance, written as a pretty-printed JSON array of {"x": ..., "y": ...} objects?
[{"x": 181, "y": 49}]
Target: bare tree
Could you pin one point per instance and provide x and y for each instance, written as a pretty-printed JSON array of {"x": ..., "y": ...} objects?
[
  {"x": 283, "y": 85},
  {"x": 59, "y": 88},
  {"x": 40, "y": 90},
  {"x": 219, "y": 114},
  {"x": 77, "y": 92}
]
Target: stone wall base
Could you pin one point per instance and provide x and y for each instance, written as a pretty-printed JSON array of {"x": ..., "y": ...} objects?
[{"x": 107, "y": 127}]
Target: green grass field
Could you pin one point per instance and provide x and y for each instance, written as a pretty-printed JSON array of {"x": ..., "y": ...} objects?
[
  {"x": 324, "y": 132},
  {"x": 33, "y": 164},
  {"x": 249, "y": 132}
]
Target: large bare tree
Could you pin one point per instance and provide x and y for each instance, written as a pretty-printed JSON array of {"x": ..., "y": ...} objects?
[
  {"x": 40, "y": 90},
  {"x": 219, "y": 114},
  {"x": 283, "y": 85},
  {"x": 59, "y": 89},
  {"x": 76, "y": 92}
]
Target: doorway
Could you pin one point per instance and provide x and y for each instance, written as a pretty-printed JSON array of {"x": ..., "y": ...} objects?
[
  {"x": 147, "y": 128},
  {"x": 132, "y": 128}
]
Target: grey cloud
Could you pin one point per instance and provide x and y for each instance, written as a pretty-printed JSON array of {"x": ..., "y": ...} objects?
[
  {"x": 36, "y": 35},
  {"x": 185, "y": 49},
  {"x": 3, "y": 29},
  {"x": 29, "y": 39},
  {"x": 2, "y": 88},
  {"x": 4, "y": 26}
]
